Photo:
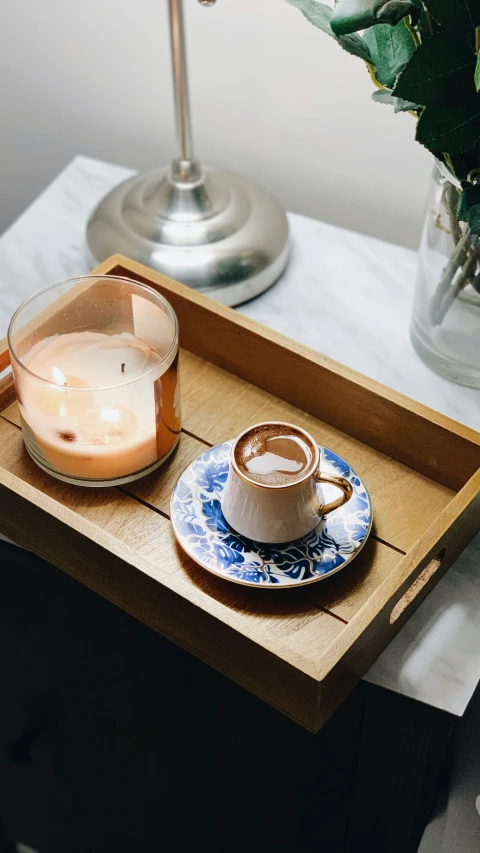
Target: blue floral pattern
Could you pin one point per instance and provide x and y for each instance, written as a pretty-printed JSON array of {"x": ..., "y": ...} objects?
[{"x": 202, "y": 531}]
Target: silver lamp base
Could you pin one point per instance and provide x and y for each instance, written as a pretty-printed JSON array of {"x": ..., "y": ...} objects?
[{"x": 214, "y": 231}]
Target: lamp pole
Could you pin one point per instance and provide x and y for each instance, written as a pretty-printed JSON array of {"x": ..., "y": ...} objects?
[{"x": 180, "y": 81}]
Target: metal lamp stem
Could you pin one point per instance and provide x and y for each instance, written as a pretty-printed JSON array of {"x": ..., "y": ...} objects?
[{"x": 180, "y": 80}]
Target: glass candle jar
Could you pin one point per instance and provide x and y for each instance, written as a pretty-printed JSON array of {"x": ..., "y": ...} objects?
[{"x": 95, "y": 363}]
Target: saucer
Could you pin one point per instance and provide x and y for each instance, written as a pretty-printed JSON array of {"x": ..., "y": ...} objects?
[{"x": 202, "y": 531}]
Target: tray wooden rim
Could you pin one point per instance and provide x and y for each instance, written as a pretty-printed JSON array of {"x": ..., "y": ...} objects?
[
  {"x": 334, "y": 670},
  {"x": 354, "y": 376}
]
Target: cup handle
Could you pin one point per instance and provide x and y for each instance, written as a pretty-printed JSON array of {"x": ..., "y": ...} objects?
[{"x": 344, "y": 485}]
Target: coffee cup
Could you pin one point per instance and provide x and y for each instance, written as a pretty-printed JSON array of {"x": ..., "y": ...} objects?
[{"x": 272, "y": 493}]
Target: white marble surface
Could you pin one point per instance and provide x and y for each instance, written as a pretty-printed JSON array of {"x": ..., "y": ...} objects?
[{"x": 348, "y": 296}]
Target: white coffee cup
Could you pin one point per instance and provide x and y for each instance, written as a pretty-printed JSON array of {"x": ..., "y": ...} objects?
[{"x": 273, "y": 513}]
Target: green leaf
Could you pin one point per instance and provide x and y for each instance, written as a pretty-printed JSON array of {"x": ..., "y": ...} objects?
[
  {"x": 469, "y": 208},
  {"x": 468, "y": 198},
  {"x": 440, "y": 71},
  {"x": 454, "y": 130},
  {"x": 390, "y": 49},
  {"x": 384, "y": 96},
  {"x": 474, "y": 219},
  {"x": 462, "y": 164},
  {"x": 477, "y": 74},
  {"x": 351, "y": 15},
  {"x": 455, "y": 15},
  {"x": 355, "y": 45},
  {"x": 320, "y": 15},
  {"x": 317, "y": 13}
]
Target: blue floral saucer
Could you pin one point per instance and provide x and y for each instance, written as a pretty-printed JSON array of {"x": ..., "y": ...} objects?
[{"x": 202, "y": 531}]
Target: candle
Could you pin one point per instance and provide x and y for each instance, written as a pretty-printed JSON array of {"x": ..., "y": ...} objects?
[{"x": 102, "y": 407}]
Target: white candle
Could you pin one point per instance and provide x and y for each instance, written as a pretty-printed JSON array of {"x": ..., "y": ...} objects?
[{"x": 97, "y": 419}]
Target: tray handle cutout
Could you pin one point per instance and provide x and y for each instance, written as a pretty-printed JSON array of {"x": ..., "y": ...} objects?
[{"x": 410, "y": 595}]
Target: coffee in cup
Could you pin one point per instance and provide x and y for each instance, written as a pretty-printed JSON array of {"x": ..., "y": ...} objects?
[
  {"x": 274, "y": 454},
  {"x": 272, "y": 493}
]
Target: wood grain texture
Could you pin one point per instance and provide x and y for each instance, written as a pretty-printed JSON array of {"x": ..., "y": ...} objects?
[
  {"x": 303, "y": 650},
  {"x": 7, "y": 389},
  {"x": 342, "y": 595},
  {"x": 391, "y": 485},
  {"x": 450, "y": 531},
  {"x": 7, "y": 394},
  {"x": 286, "y": 625},
  {"x": 156, "y": 489},
  {"x": 405, "y": 501},
  {"x": 11, "y": 412},
  {"x": 348, "y": 591},
  {"x": 373, "y": 413},
  {"x": 371, "y": 629},
  {"x": 221, "y": 645},
  {"x": 217, "y": 406},
  {"x": 4, "y": 355}
]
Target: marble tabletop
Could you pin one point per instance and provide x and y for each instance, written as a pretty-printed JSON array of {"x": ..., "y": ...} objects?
[{"x": 348, "y": 296}]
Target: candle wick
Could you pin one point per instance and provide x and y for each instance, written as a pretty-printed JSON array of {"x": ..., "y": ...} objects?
[{"x": 123, "y": 367}]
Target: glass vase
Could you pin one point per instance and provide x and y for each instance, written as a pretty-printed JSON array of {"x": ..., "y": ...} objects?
[{"x": 445, "y": 329}]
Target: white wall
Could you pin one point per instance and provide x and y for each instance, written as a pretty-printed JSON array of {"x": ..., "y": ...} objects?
[{"x": 272, "y": 97}]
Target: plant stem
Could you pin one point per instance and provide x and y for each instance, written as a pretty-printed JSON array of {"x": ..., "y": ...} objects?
[
  {"x": 476, "y": 282},
  {"x": 411, "y": 29},
  {"x": 448, "y": 162},
  {"x": 371, "y": 71},
  {"x": 428, "y": 19},
  {"x": 461, "y": 268},
  {"x": 461, "y": 282},
  {"x": 446, "y": 290},
  {"x": 451, "y": 202}
]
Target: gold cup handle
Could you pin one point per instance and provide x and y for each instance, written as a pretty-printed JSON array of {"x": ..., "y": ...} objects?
[{"x": 341, "y": 483}]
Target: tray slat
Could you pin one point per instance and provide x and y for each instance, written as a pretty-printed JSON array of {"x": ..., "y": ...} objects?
[
  {"x": 341, "y": 600},
  {"x": 347, "y": 592},
  {"x": 301, "y": 650},
  {"x": 376, "y": 415},
  {"x": 217, "y": 405},
  {"x": 291, "y": 620},
  {"x": 405, "y": 501}
]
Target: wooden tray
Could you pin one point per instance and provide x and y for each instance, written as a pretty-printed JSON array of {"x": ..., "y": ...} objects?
[{"x": 302, "y": 650}]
